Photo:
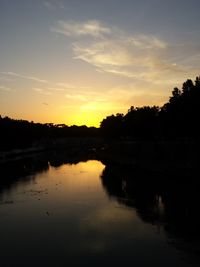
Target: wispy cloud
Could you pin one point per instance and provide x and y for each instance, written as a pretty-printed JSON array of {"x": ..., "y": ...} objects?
[
  {"x": 76, "y": 29},
  {"x": 105, "y": 53},
  {"x": 82, "y": 96},
  {"x": 14, "y": 74},
  {"x": 48, "y": 4},
  {"x": 42, "y": 91},
  {"x": 139, "y": 57},
  {"x": 5, "y": 88},
  {"x": 46, "y": 86},
  {"x": 116, "y": 99},
  {"x": 70, "y": 86},
  {"x": 6, "y": 79},
  {"x": 134, "y": 56},
  {"x": 146, "y": 42},
  {"x": 76, "y": 97},
  {"x": 53, "y": 4}
]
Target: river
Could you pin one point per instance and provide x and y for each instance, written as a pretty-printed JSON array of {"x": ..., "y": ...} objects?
[{"x": 87, "y": 214}]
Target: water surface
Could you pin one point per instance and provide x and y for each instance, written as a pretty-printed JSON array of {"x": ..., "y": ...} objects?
[{"x": 75, "y": 215}]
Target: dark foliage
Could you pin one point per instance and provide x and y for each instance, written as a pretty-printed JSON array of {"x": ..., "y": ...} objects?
[
  {"x": 177, "y": 119},
  {"x": 22, "y": 134},
  {"x": 159, "y": 199}
]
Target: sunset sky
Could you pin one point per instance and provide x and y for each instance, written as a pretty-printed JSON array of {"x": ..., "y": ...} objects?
[{"x": 77, "y": 61}]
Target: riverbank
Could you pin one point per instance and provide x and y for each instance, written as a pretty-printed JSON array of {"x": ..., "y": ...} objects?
[
  {"x": 72, "y": 145},
  {"x": 159, "y": 156}
]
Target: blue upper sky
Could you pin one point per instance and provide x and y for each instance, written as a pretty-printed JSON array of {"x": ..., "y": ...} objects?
[{"x": 80, "y": 60}]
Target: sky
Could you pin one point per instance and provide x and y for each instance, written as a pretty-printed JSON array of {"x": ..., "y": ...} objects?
[{"x": 78, "y": 61}]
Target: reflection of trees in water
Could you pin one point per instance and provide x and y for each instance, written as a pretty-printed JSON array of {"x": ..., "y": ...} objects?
[
  {"x": 171, "y": 201},
  {"x": 24, "y": 170},
  {"x": 20, "y": 171},
  {"x": 60, "y": 157},
  {"x": 145, "y": 198}
]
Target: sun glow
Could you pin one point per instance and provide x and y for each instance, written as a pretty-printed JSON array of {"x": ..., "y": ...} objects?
[
  {"x": 85, "y": 117},
  {"x": 81, "y": 69}
]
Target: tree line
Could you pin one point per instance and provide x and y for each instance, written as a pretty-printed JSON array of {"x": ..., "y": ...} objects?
[
  {"x": 22, "y": 133},
  {"x": 176, "y": 119}
]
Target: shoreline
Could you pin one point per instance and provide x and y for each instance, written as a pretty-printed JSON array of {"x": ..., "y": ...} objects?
[{"x": 158, "y": 156}]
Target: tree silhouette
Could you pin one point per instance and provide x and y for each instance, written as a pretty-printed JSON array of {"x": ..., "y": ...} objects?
[
  {"x": 182, "y": 112},
  {"x": 112, "y": 126},
  {"x": 138, "y": 121},
  {"x": 178, "y": 118},
  {"x": 23, "y": 134}
]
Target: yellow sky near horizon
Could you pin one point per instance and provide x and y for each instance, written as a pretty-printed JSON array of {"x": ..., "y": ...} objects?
[{"x": 76, "y": 64}]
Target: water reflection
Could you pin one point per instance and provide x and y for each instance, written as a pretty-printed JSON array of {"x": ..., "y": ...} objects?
[
  {"x": 54, "y": 211},
  {"x": 24, "y": 170},
  {"x": 169, "y": 202}
]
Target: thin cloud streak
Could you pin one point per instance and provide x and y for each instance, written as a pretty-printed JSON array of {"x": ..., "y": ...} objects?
[
  {"x": 54, "y": 4},
  {"x": 5, "y": 89},
  {"x": 72, "y": 28},
  {"x": 134, "y": 56},
  {"x": 52, "y": 86},
  {"x": 71, "y": 86},
  {"x": 42, "y": 91},
  {"x": 14, "y": 74},
  {"x": 48, "y": 4},
  {"x": 141, "y": 57}
]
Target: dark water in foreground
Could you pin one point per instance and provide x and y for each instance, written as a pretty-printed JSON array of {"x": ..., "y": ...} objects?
[{"x": 89, "y": 214}]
